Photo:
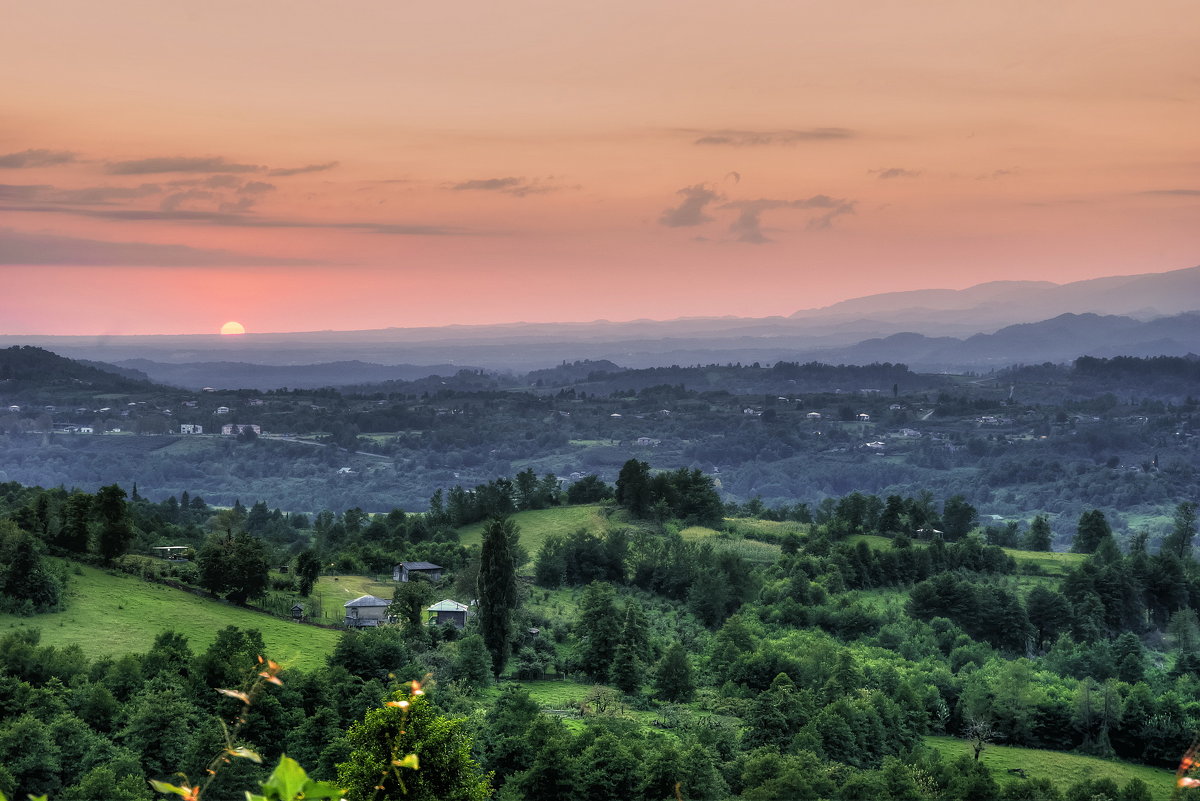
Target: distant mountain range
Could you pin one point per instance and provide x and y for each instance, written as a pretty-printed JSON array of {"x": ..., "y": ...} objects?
[{"x": 992, "y": 324}]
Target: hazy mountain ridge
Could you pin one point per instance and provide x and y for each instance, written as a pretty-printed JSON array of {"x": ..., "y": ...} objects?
[{"x": 933, "y": 329}]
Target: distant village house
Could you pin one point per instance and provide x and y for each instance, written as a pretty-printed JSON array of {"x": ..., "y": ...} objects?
[
  {"x": 449, "y": 611},
  {"x": 407, "y": 570},
  {"x": 366, "y": 611}
]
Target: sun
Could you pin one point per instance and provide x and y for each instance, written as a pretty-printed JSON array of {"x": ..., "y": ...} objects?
[{"x": 232, "y": 328}]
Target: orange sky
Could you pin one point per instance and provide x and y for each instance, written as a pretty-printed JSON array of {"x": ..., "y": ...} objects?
[{"x": 166, "y": 167}]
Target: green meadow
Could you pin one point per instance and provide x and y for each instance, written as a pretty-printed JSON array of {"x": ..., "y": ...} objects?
[
  {"x": 110, "y": 614},
  {"x": 539, "y": 524},
  {"x": 1061, "y": 768}
]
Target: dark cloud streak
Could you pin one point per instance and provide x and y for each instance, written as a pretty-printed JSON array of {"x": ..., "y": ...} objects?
[
  {"x": 36, "y": 158},
  {"x": 178, "y": 164},
  {"x": 20, "y": 248},
  {"x": 282, "y": 172},
  {"x": 240, "y": 221},
  {"x": 731, "y": 137}
]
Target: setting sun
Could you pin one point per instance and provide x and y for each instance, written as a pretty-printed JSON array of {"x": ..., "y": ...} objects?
[{"x": 233, "y": 328}]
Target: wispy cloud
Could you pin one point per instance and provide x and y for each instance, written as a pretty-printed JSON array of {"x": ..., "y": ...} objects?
[
  {"x": 894, "y": 172},
  {"x": 233, "y": 220},
  {"x": 103, "y": 195},
  {"x": 178, "y": 164},
  {"x": 36, "y": 158},
  {"x": 1174, "y": 192},
  {"x": 690, "y": 210},
  {"x": 286, "y": 171},
  {"x": 515, "y": 186},
  {"x": 747, "y": 227},
  {"x": 733, "y": 137},
  {"x": 21, "y": 248},
  {"x": 22, "y": 193}
]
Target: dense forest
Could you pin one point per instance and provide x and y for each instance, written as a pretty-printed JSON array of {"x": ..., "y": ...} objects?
[{"x": 830, "y": 660}]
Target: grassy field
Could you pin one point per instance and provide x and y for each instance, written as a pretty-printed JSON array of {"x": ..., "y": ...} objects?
[
  {"x": 754, "y": 551},
  {"x": 330, "y": 593},
  {"x": 1061, "y": 768},
  {"x": 114, "y": 614},
  {"x": 1052, "y": 564},
  {"x": 876, "y": 542},
  {"x": 537, "y": 525}
]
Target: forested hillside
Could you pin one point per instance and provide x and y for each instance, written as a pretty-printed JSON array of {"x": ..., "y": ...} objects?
[{"x": 869, "y": 647}]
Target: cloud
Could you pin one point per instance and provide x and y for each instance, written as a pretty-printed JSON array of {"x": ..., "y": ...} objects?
[
  {"x": 517, "y": 187},
  {"x": 20, "y": 248},
  {"x": 1173, "y": 192},
  {"x": 285, "y": 171},
  {"x": 894, "y": 172},
  {"x": 748, "y": 225},
  {"x": 103, "y": 195},
  {"x": 180, "y": 199},
  {"x": 255, "y": 188},
  {"x": 239, "y": 220},
  {"x": 690, "y": 210},
  {"x": 742, "y": 138},
  {"x": 22, "y": 192},
  {"x": 36, "y": 158},
  {"x": 178, "y": 164}
]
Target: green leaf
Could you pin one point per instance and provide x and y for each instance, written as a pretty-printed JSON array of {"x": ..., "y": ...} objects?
[
  {"x": 321, "y": 791},
  {"x": 167, "y": 787},
  {"x": 37, "y": 798},
  {"x": 286, "y": 781},
  {"x": 246, "y": 753},
  {"x": 409, "y": 761}
]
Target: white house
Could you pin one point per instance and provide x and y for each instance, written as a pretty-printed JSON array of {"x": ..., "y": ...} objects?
[
  {"x": 237, "y": 428},
  {"x": 222, "y": 410},
  {"x": 190, "y": 428}
]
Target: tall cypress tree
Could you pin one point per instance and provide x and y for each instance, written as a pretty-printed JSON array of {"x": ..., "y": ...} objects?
[{"x": 498, "y": 590}]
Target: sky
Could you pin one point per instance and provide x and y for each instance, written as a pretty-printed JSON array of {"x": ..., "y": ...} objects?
[{"x": 295, "y": 166}]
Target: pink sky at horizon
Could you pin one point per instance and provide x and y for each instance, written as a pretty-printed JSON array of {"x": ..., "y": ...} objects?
[{"x": 165, "y": 168}]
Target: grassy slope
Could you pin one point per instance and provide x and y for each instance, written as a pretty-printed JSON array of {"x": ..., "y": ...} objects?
[
  {"x": 110, "y": 615},
  {"x": 332, "y": 592},
  {"x": 537, "y": 525},
  {"x": 1061, "y": 768},
  {"x": 752, "y": 551},
  {"x": 1051, "y": 564}
]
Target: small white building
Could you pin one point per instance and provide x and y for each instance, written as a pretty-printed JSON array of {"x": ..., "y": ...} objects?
[
  {"x": 237, "y": 428},
  {"x": 190, "y": 428},
  {"x": 222, "y": 410},
  {"x": 863, "y": 417},
  {"x": 813, "y": 415},
  {"x": 86, "y": 430}
]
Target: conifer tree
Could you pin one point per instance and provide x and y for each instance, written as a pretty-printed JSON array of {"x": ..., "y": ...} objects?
[
  {"x": 498, "y": 590},
  {"x": 673, "y": 678}
]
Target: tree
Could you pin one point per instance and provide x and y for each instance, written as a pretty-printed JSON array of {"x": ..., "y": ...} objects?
[
  {"x": 387, "y": 735},
  {"x": 472, "y": 662},
  {"x": 308, "y": 570},
  {"x": 673, "y": 676},
  {"x": 498, "y": 589},
  {"x": 77, "y": 512},
  {"x": 633, "y": 487},
  {"x": 25, "y": 584},
  {"x": 1183, "y": 530},
  {"x": 980, "y": 733},
  {"x": 958, "y": 517},
  {"x": 1039, "y": 536},
  {"x": 599, "y": 630},
  {"x": 409, "y": 600},
  {"x": 234, "y": 565},
  {"x": 115, "y": 533},
  {"x": 1092, "y": 529}
]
